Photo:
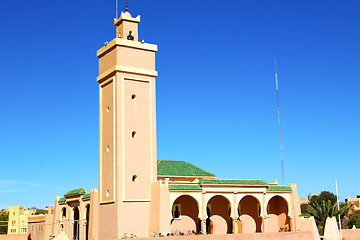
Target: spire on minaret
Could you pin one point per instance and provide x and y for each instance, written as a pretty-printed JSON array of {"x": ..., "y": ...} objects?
[{"x": 126, "y": 7}]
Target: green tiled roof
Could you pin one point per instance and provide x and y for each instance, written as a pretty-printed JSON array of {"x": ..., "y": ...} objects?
[
  {"x": 279, "y": 188},
  {"x": 180, "y": 168},
  {"x": 75, "y": 191},
  {"x": 87, "y": 195},
  {"x": 184, "y": 187},
  {"x": 233, "y": 181},
  {"x": 62, "y": 200}
]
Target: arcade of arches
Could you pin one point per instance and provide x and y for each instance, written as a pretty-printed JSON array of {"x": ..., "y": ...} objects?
[
  {"x": 218, "y": 217},
  {"x": 74, "y": 215}
]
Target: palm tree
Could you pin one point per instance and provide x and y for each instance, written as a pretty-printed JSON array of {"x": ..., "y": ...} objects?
[{"x": 322, "y": 211}]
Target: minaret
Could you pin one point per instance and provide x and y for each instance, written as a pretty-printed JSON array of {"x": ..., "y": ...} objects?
[{"x": 127, "y": 137}]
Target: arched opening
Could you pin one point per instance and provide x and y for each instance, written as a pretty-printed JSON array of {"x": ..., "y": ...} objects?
[
  {"x": 76, "y": 223},
  {"x": 250, "y": 215},
  {"x": 185, "y": 215},
  {"x": 218, "y": 211},
  {"x": 277, "y": 208},
  {"x": 62, "y": 218},
  {"x": 87, "y": 217}
]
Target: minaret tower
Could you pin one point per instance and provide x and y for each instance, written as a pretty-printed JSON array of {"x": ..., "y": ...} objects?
[{"x": 127, "y": 122}]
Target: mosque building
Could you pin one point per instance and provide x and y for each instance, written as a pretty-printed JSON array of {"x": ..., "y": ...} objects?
[{"x": 140, "y": 195}]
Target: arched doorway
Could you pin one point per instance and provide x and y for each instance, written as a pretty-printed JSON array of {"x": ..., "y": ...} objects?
[
  {"x": 63, "y": 218},
  {"x": 185, "y": 214},
  {"x": 87, "y": 217},
  {"x": 250, "y": 215},
  {"x": 277, "y": 208},
  {"x": 76, "y": 223},
  {"x": 218, "y": 211}
]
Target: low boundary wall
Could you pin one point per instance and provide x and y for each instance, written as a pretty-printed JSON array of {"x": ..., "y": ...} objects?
[
  {"x": 351, "y": 234},
  {"x": 13, "y": 236},
  {"x": 244, "y": 236}
]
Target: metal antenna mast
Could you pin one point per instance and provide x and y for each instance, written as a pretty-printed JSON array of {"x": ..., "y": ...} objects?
[
  {"x": 117, "y": 9},
  {"x": 278, "y": 108}
]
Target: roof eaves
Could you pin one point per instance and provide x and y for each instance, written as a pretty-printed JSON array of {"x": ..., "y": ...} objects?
[
  {"x": 86, "y": 195},
  {"x": 278, "y": 188},
  {"x": 76, "y": 191},
  {"x": 184, "y": 187}
]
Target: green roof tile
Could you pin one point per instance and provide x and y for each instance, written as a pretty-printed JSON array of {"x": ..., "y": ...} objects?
[
  {"x": 279, "y": 188},
  {"x": 184, "y": 187},
  {"x": 62, "y": 200},
  {"x": 233, "y": 181},
  {"x": 75, "y": 191},
  {"x": 87, "y": 195},
  {"x": 180, "y": 168}
]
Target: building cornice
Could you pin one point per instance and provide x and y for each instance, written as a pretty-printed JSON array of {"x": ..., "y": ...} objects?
[
  {"x": 126, "y": 43},
  {"x": 121, "y": 68}
]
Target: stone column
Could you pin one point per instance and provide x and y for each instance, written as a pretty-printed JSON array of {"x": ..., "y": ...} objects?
[
  {"x": 204, "y": 212},
  {"x": 203, "y": 225},
  {"x": 264, "y": 212},
  {"x": 240, "y": 226},
  {"x": 234, "y": 228},
  {"x": 235, "y": 214}
]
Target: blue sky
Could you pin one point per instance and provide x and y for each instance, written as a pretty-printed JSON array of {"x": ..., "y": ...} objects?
[{"x": 216, "y": 99}]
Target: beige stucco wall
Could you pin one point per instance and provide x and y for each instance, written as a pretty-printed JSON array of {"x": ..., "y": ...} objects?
[
  {"x": 160, "y": 204},
  {"x": 13, "y": 236},
  {"x": 40, "y": 226},
  {"x": 351, "y": 234}
]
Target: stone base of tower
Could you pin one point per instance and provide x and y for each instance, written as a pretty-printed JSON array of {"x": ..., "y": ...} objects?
[
  {"x": 137, "y": 218},
  {"x": 108, "y": 221},
  {"x": 134, "y": 218},
  {"x": 125, "y": 219}
]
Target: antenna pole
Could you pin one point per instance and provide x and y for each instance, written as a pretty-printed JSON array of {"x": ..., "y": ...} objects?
[
  {"x": 278, "y": 109},
  {"x": 117, "y": 9}
]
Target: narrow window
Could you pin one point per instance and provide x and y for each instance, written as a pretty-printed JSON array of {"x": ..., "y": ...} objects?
[
  {"x": 133, "y": 134},
  {"x": 134, "y": 178},
  {"x": 107, "y": 148},
  {"x": 133, "y": 96},
  {"x": 107, "y": 109},
  {"x": 107, "y": 193}
]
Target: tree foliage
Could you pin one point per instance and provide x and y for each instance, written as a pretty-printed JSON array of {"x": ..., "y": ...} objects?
[
  {"x": 304, "y": 208},
  {"x": 323, "y": 196},
  {"x": 4, "y": 217},
  {"x": 354, "y": 219},
  {"x": 325, "y": 209}
]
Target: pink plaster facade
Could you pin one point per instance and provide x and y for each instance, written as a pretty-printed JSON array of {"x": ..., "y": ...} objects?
[
  {"x": 132, "y": 197},
  {"x": 351, "y": 234},
  {"x": 13, "y": 236}
]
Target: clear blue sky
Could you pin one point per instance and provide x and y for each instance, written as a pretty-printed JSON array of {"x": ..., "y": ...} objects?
[{"x": 216, "y": 99}]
